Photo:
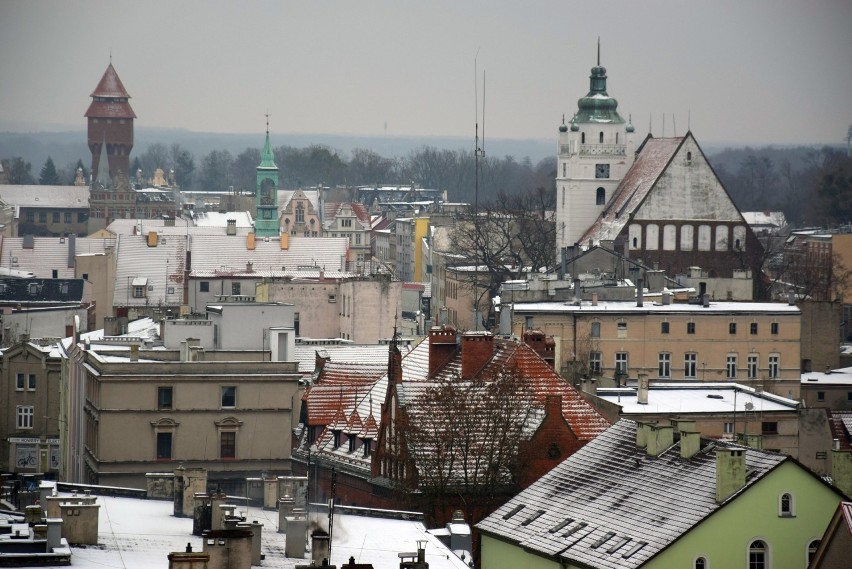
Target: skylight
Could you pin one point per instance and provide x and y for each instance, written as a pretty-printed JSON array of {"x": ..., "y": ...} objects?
[
  {"x": 561, "y": 525},
  {"x": 513, "y": 511},
  {"x": 633, "y": 550},
  {"x": 532, "y": 518}
]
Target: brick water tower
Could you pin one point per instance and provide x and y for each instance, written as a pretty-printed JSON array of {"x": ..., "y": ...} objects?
[{"x": 110, "y": 126}]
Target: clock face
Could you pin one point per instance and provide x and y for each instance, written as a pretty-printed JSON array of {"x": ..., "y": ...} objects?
[{"x": 601, "y": 170}]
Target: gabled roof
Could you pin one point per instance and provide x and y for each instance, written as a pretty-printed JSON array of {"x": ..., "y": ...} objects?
[
  {"x": 164, "y": 267},
  {"x": 841, "y": 428},
  {"x": 48, "y": 254},
  {"x": 53, "y": 197},
  {"x": 333, "y": 209},
  {"x": 215, "y": 252},
  {"x": 612, "y": 488},
  {"x": 651, "y": 161}
]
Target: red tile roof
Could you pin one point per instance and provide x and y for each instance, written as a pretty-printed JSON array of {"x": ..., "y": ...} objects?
[{"x": 110, "y": 87}]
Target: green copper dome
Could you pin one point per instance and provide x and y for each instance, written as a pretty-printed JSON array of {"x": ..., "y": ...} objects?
[{"x": 598, "y": 106}]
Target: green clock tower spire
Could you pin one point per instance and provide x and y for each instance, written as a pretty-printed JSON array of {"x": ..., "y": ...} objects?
[{"x": 266, "y": 221}]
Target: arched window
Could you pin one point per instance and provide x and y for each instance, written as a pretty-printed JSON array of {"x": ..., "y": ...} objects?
[
  {"x": 813, "y": 545},
  {"x": 785, "y": 505},
  {"x": 701, "y": 563},
  {"x": 758, "y": 554},
  {"x": 689, "y": 156},
  {"x": 582, "y": 138},
  {"x": 600, "y": 137},
  {"x": 600, "y": 197}
]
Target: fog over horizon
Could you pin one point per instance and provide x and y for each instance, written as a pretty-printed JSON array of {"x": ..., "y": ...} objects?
[{"x": 735, "y": 73}]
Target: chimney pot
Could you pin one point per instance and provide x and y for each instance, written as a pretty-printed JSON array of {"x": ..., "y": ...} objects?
[{"x": 730, "y": 472}]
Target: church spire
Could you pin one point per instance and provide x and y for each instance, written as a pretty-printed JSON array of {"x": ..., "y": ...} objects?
[{"x": 267, "y": 158}]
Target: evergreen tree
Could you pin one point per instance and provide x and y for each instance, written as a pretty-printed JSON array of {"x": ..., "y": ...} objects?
[
  {"x": 20, "y": 172},
  {"x": 48, "y": 176}
]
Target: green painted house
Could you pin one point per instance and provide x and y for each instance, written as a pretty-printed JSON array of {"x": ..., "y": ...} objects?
[{"x": 652, "y": 496}]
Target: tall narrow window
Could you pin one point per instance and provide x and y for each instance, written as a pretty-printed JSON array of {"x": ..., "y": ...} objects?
[
  {"x": 164, "y": 446},
  {"x": 228, "y": 444},
  {"x": 595, "y": 363},
  {"x": 752, "y": 366},
  {"x": 731, "y": 366},
  {"x": 701, "y": 563},
  {"x": 774, "y": 366},
  {"x": 690, "y": 363},
  {"x": 690, "y": 327},
  {"x": 732, "y": 327},
  {"x": 600, "y": 137},
  {"x": 621, "y": 363},
  {"x": 785, "y": 506},
  {"x": 812, "y": 549},
  {"x": 582, "y": 138},
  {"x": 600, "y": 197},
  {"x": 300, "y": 213},
  {"x": 773, "y": 328},
  {"x": 19, "y": 383},
  {"x": 596, "y": 330},
  {"x": 664, "y": 327},
  {"x": 665, "y": 365}
]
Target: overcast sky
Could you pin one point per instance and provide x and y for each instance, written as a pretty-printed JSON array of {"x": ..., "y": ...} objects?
[{"x": 746, "y": 72}]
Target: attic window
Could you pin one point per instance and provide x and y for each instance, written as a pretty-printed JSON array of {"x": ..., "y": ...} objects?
[
  {"x": 562, "y": 524},
  {"x": 634, "y": 550},
  {"x": 606, "y": 537},
  {"x": 513, "y": 511},
  {"x": 532, "y": 518}
]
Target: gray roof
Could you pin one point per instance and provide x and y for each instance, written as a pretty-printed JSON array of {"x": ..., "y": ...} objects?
[
  {"x": 230, "y": 252},
  {"x": 48, "y": 254},
  {"x": 45, "y": 196},
  {"x": 611, "y": 487}
]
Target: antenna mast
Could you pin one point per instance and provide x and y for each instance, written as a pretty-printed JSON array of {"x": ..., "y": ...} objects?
[{"x": 478, "y": 152}]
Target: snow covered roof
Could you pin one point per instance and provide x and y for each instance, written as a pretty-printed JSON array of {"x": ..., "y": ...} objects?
[
  {"x": 610, "y": 505},
  {"x": 617, "y": 307},
  {"x": 54, "y": 197},
  {"x": 841, "y": 376},
  {"x": 49, "y": 254},
  {"x": 139, "y": 534},
  {"x": 686, "y": 398}
]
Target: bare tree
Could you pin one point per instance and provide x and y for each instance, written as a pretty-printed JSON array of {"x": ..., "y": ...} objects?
[{"x": 463, "y": 438}]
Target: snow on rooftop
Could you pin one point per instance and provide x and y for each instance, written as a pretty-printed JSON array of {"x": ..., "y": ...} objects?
[
  {"x": 139, "y": 534},
  {"x": 696, "y": 398},
  {"x": 629, "y": 306}
]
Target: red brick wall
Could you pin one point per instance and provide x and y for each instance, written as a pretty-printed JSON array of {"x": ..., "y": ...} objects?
[
  {"x": 553, "y": 442},
  {"x": 476, "y": 351}
]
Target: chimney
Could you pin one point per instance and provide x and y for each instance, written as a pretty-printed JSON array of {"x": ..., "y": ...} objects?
[
  {"x": 285, "y": 241},
  {"x": 641, "y": 435},
  {"x": 29, "y": 241},
  {"x": 134, "y": 352},
  {"x": 477, "y": 349},
  {"x": 231, "y": 228},
  {"x": 577, "y": 290},
  {"x": 54, "y": 533},
  {"x": 640, "y": 292},
  {"x": 249, "y": 267},
  {"x": 730, "y": 472},
  {"x": 152, "y": 238},
  {"x": 791, "y": 297},
  {"x": 660, "y": 437},
  {"x": 690, "y": 443},
  {"x": 442, "y": 347},
  {"x": 72, "y": 250},
  {"x": 705, "y": 300},
  {"x": 594, "y": 299},
  {"x": 667, "y": 297},
  {"x": 642, "y": 392},
  {"x": 319, "y": 547},
  {"x": 250, "y": 241}
]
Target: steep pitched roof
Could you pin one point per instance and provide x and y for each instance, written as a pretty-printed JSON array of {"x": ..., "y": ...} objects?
[
  {"x": 110, "y": 87},
  {"x": 610, "y": 505},
  {"x": 650, "y": 162}
]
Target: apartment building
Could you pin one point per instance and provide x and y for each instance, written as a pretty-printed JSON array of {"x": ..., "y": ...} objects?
[{"x": 756, "y": 344}]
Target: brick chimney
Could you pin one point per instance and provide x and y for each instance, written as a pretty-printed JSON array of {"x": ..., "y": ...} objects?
[
  {"x": 442, "y": 347},
  {"x": 544, "y": 346},
  {"x": 730, "y": 472},
  {"x": 477, "y": 349}
]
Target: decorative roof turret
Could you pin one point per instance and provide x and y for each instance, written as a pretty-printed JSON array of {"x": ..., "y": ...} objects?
[
  {"x": 563, "y": 127},
  {"x": 630, "y": 127},
  {"x": 597, "y": 106},
  {"x": 267, "y": 157}
]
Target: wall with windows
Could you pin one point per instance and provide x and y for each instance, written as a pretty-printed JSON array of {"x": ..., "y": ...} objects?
[
  {"x": 728, "y": 341},
  {"x": 755, "y": 531},
  {"x": 231, "y": 416},
  {"x": 29, "y": 410}
]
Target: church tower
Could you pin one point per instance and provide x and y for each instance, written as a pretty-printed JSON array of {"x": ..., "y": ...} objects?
[
  {"x": 110, "y": 126},
  {"x": 266, "y": 221},
  {"x": 593, "y": 155}
]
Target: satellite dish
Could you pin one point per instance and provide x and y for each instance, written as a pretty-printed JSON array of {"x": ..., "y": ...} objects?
[{"x": 749, "y": 406}]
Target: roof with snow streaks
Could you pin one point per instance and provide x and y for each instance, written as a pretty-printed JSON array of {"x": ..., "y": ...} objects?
[
  {"x": 227, "y": 252},
  {"x": 650, "y": 162},
  {"x": 611, "y": 490},
  {"x": 49, "y": 253}
]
